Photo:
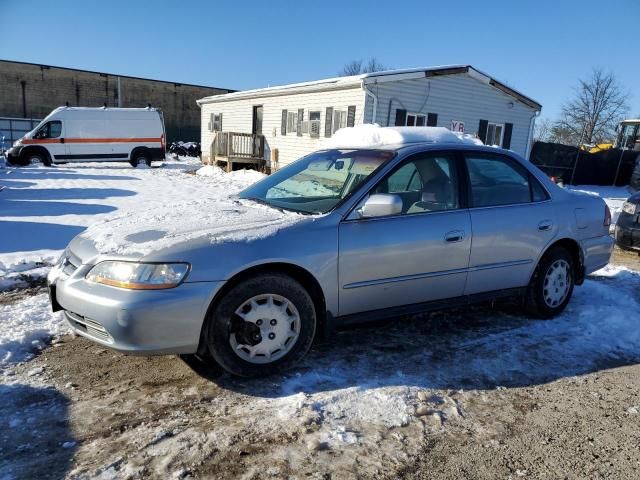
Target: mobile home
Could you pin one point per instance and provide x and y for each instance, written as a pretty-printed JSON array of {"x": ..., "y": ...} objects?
[{"x": 281, "y": 124}]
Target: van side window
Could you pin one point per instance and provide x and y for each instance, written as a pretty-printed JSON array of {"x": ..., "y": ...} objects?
[
  {"x": 55, "y": 129},
  {"x": 50, "y": 130},
  {"x": 497, "y": 180}
]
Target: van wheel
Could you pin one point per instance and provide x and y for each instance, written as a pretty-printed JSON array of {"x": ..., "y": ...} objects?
[
  {"x": 35, "y": 156},
  {"x": 141, "y": 158},
  {"x": 261, "y": 326},
  {"x": 552, "y": 284}
]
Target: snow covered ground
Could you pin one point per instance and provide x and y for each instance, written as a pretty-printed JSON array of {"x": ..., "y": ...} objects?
[{"x": 42, "y": 209}]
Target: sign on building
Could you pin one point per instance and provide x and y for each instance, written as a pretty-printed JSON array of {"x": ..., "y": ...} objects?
[{"x": 457, "y": 126}]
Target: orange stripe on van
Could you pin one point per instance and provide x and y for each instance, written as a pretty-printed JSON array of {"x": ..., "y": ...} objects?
[{"x": 34, "y": 141}]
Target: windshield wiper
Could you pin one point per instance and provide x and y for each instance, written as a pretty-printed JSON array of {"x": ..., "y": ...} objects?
[{"x": 262, "y": 201}]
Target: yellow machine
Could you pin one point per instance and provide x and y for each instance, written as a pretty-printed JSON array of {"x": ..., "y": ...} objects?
[{"x": 629, "y": 135}]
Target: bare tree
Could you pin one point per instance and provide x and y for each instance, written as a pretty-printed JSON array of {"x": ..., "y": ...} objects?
[
  {"x": 597, "y": 107},
  {"x": 356, "y": 67},
  {"x": 542, "y": 131}
]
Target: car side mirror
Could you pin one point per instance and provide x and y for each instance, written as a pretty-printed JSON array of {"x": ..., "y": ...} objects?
[{"x": 381, "y": 205}]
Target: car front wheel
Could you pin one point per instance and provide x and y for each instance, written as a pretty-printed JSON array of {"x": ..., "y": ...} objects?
[
  {"x": 261, "y": 326},
  {"x": 552, "y": 284}
]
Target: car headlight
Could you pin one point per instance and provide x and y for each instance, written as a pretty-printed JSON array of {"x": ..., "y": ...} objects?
[
  {"x": 629, "y": 207},
  {"x": 139, "y": 276}
]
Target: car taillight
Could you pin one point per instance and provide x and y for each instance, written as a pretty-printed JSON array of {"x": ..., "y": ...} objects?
[
  {"x": 162, "y": 141},
  {"x": 607, "y": 216}
]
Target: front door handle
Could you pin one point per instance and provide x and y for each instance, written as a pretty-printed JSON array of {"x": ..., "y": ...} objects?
[
  {"x": 454, "y": 236},
  {"x": 545, "y": 225},
  {"x": 62, "y": 140}
]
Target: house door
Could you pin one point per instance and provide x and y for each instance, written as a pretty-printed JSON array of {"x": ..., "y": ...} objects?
[
  {"x": 257, "y": 120},
  {"x": 257, "y": 130}
]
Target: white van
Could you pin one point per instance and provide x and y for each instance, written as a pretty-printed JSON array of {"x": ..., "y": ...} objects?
[{"x": 78, "y": 134}]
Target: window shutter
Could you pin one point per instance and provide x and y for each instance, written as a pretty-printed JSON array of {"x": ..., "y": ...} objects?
[
  {"x": 401, "y": 117},
  {"x": 351, "y": 116},
  {"x": 220, "y": 123},
  {"x": 506, "y": 139},
  {"x": 328, "y": 122},
  {"x": 482, "y": 130},
  {"x": 300, "y": 119},
  {"x": 283, "y": 123},
  {"x": 211, "y": 118},
  {"x": 432, "y": 119}
]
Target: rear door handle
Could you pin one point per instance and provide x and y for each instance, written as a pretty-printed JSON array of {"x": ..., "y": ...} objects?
[
  {"x": 545, "y": 225},
  {"x": 454, "y": 236}
]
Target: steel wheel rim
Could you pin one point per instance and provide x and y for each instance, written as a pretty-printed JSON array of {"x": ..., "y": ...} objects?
[
  {"x": 557, "y": 283},
  {"x": 279, "y": 323}
]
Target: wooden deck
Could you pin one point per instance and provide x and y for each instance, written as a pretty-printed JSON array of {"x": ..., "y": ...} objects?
[{"x": 233, "y": 150}]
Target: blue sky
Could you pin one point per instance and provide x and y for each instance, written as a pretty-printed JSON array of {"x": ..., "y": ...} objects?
[{"x": 539, "y": 47}]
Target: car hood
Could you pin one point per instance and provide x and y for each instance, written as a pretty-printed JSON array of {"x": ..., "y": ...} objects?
[{"x": 136, "y": 234}]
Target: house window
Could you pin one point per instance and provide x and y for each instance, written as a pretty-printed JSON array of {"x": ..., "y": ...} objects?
[
  {"x": 314, "y": 124},
  {"x": 215, "y": 122},
  {"x": 416, "y": 120},
  {"x": 339, "y": 120},
  {"x": 292, "y": 121},
  {"x": 495, "y": 133}
]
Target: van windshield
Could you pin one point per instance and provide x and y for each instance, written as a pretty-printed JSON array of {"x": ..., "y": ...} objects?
[{"x": 318, "y": 182}]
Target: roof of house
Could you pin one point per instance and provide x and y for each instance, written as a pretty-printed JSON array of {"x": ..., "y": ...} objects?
[{"x": 338, "y": 83}]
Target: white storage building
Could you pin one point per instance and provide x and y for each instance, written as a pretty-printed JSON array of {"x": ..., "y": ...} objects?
[{"x": 283, "y": 123}]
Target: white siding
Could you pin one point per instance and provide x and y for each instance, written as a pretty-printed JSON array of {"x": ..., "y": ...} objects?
[
  {"x": 453, "y": 97},
  {"x": 237, "y": 117}
]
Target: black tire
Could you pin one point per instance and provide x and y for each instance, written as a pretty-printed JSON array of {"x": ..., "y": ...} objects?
[
  {"x": 32, "y": 156},
  {"x": 537, "y": 300},
  {"x": 219, "y": 325},
  {"x": 139, "y": 157}
]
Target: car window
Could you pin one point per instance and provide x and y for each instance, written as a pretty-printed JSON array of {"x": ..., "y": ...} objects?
[
  {"x": 49, "y": 130},
  {"x": 425, "y": 183},
  {"x": 497, "y": 180},
  {"x": 55, "y": 129},
  {"x": 405, "y": 179},
  {"x": 538, "y": 193}
]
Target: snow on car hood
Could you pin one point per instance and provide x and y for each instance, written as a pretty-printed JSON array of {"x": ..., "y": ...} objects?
[{"x": 222, "y": 220}]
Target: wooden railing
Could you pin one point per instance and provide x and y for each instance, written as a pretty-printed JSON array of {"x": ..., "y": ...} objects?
[{"x": 238, "y": 145}]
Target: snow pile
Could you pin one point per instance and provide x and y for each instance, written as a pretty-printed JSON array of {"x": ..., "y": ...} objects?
[
  {"x": 210, "y": 171},
  {"x": 20, "y": 274},
  {"x": 26, "y": 327},
  {"x": 372, "y": 136}
]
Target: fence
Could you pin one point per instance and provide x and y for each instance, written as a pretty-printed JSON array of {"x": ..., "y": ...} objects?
[
  {"x": 578, "y": 167},
  {"x": 11, "y": 129}
]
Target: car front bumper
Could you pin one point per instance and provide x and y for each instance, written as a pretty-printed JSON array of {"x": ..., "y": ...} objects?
[
  {"x": 628, "y": 234},
  {"x": 13, "y": 154},
  {"x": 143, "y": 322}
]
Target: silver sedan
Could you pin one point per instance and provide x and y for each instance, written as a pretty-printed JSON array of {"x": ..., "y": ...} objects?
[{"x": 382, "y": 232}]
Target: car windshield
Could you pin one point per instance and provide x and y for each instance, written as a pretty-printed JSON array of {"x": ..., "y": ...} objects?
[{"x": 318, "y": 182}]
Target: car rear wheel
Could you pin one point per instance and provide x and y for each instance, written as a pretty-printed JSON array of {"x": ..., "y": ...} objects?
[
  {"x": 552, "y": 284},
  {"x": 261, "y": 326}
]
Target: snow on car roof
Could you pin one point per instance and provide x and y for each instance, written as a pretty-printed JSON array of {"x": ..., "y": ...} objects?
[{"x": 375, "y": 136}]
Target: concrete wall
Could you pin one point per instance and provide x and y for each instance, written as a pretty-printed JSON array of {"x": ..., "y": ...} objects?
[{"x": 32, "y": 91}]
